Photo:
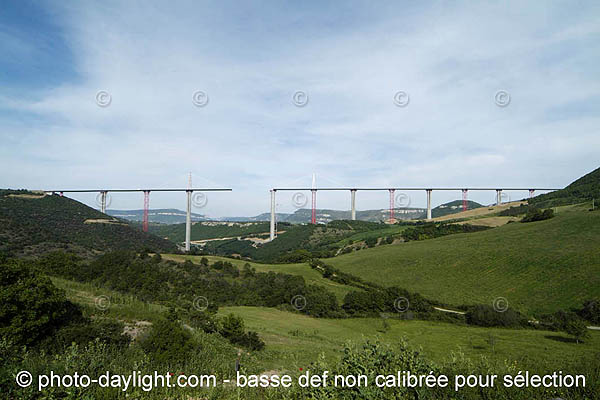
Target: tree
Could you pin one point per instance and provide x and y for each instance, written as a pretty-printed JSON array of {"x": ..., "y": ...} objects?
[
  {"x": 576, "y": 327},
  {"x": 232, "y": 327},
  {"x": 591, "y": 311}
]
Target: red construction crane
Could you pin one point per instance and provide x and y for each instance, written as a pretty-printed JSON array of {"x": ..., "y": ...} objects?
[{"x": 146, "y": 207}]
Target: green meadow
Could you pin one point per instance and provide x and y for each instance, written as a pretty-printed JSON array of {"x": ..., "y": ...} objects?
[
  {"x": 295, "y": 340},
  {"x": 538, "y": 267}
]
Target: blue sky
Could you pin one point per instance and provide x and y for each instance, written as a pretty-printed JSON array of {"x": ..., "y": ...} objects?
[{"x": 251, "y": 57}]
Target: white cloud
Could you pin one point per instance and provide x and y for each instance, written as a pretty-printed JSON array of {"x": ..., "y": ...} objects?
[{"x": 251, "y": 137}]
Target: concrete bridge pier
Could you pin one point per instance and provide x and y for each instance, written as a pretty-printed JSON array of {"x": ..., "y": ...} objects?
[
  {"x": 498, "y": 197},
  {"x": 272, "y": 233},
  {"x": 102, "y": 201},
  {"x": 428, "y": 204},
  {"x": 353, "y": 203}
]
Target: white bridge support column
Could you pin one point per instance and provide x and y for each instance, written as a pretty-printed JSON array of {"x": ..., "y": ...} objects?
[
  {"x": 498, "y": 197},
  {"x": 188, "y": 221},
  {"x": 103, "y": 202},
  {"x": 428, "y": 204},
  {"x": 353, "y": 203},
  {"x": 272, "y": 234}
]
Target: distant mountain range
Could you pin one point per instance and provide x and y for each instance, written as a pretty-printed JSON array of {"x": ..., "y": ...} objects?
[
  {"x": 159, "y": 215},
  {"x": 175, "y": 216}
]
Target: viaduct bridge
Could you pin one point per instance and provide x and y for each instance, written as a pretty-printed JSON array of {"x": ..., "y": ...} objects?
[
  {"x": 102, "y": 193},
  {"x": 392, "y": 190}
]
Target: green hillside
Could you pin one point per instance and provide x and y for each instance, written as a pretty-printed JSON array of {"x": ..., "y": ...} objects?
[
  {"x": 33, "y": 224},
  {"x": 539, "y": 266},
  {"x": 211, "y": 230},
  {"x": 583, "y": 189},
  {"x": 300, "y": 242},
  {"x": 453, "y": 207},
  {"x": 310, "y": 275}
]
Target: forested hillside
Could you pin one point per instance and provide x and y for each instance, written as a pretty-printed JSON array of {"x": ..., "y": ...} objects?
[
  {"x": 32, "y": 224},
  {"x": 583, "y": 189}
]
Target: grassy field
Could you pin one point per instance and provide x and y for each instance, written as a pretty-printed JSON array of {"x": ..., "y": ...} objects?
[
  {"x": 310, "y": 275},
  {"x": 539, "y": 267},
  {"x": 388, "y": 231},
  {"x": 116, "y": 305},
  {"x": 294, "y": 340}
]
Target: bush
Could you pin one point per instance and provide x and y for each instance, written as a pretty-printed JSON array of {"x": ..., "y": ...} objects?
[
  {"x": 578, "y": 328},
  {"x": 514, "y": 211},
  {"x": 204, "y": 320},
  {"x": 566, "y": 321},
  {"x": 371, "y": 242},
  {"x": 535, "y": 214},
  {"x": 393, "y": 299},
  {"x": 320, "y": 303},
  {"x": 485, "y": 315},
  {"x": 430, "y": 230},
  {"x": 233, "y": 329},
  {"x": 591, "y": 311},
  {"x": 109, "y": 332},
  {"x": 31, "y": 307},
  {"x": 168, "y": 343}
]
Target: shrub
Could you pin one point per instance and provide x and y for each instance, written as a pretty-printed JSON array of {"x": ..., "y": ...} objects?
[
  {"x": 204, "y": 320},
  {"x": 514, "y": 211},
  {"x": 320, "y": 303},
  {"x": 535, "y": 214},
  {"x": 31, "y": 307},
  {"x": 233, "y": 329},
  {"x": 566, "y": 321},
  {"x": 251, "y": 341},
  {"x": 109, "y": 332},
  {"x": 371, "y": 242},
  {"x": 576, "y": 327},
  {"x": 486, "y": 315},
  {"x": 232, "y": 326},
  {"x": 591, "y": 311},
  {"x": 168, "y": 343}
]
